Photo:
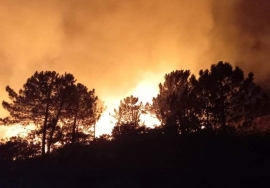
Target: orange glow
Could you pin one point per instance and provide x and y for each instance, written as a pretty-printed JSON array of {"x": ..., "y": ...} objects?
[
  {"x": 149, "y": 120},
  {"x": 125, "y": 47},
  {"x": 119, "y": 48},
  {"x": 145, "y": 90},
  {"x": 15, "y": 130}
]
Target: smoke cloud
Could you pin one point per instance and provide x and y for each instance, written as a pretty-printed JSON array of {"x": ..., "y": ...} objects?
[
  {"x": 121, "y": 47},
  {"x": 241, "y": 35}
]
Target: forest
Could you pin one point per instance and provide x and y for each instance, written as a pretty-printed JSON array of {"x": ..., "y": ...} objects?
[{"x": 209, "y": 134}]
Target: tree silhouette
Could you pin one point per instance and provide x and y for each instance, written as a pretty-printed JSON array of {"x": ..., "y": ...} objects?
[
  {"x": 227, "y": 98},
  {"x": 221, "y": 98},
  {"x": 83, "y": 112},
  {"x": 174, "y": 105},
  {"x": 16, "y": 148},
  {"x": 45, "y": 99},
  {"x": 203, "y": 93},
  {"x": 252, "y": 99},
  {"x": 104, "y": 138},
  {"x": 193, "y": 109},
  {"x": 129, "y": 111},
  {"x": 128, "y": 130},
  {"x": 128, "y": 117}
]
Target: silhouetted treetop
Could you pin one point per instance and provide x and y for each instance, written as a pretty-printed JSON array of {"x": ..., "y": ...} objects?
[
  {"x": 129, "y": 111},
  {"x": 220, "y": 98},
  {"x": 49, "y": 101},
  {"x": 174, "y": 105}
]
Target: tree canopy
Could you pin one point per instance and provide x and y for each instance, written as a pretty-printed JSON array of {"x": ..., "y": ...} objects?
[
  {"x": 127, "y": 117},
  {"x": 220, "y": 98},
  {"x": 206, "y": 128},
  {"x": 50, "y": 101},
  {"x": 129, "y": 111},
  {"x": 64, "y": 112}
]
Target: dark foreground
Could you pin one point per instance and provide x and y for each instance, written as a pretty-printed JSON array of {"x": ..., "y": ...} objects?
[{"x": 198, "y": 160}]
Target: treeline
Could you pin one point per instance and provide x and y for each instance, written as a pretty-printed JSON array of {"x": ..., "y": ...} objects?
[
  {"x": 221, "y": 98},
  {"x": 207, "y": 136},
  {"x": 64, "y": 113}
]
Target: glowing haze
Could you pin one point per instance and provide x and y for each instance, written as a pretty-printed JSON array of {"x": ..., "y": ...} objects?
[{"x": 122, "y": 47}]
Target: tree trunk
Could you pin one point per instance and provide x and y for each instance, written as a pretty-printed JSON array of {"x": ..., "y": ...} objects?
[
  {"x": 54, "y": 123},
  {"x": 223, "y": 117},
  {"x": 44, "y": 130},
  {"x": 95, "y": 131},
  {"x": 50, "y": 138},
  {"x": 73, "y": 135}
]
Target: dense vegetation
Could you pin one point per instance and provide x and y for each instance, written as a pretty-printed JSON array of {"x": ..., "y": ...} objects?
[{"x": 208, "y": 135}]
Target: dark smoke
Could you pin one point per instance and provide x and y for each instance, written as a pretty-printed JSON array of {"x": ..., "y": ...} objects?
[{"x": 241, "y": 35}]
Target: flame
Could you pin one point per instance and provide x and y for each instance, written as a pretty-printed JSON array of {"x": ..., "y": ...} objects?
[
  {"x": 17, "y": 129},
  {"x": 145, "y": 91}
]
